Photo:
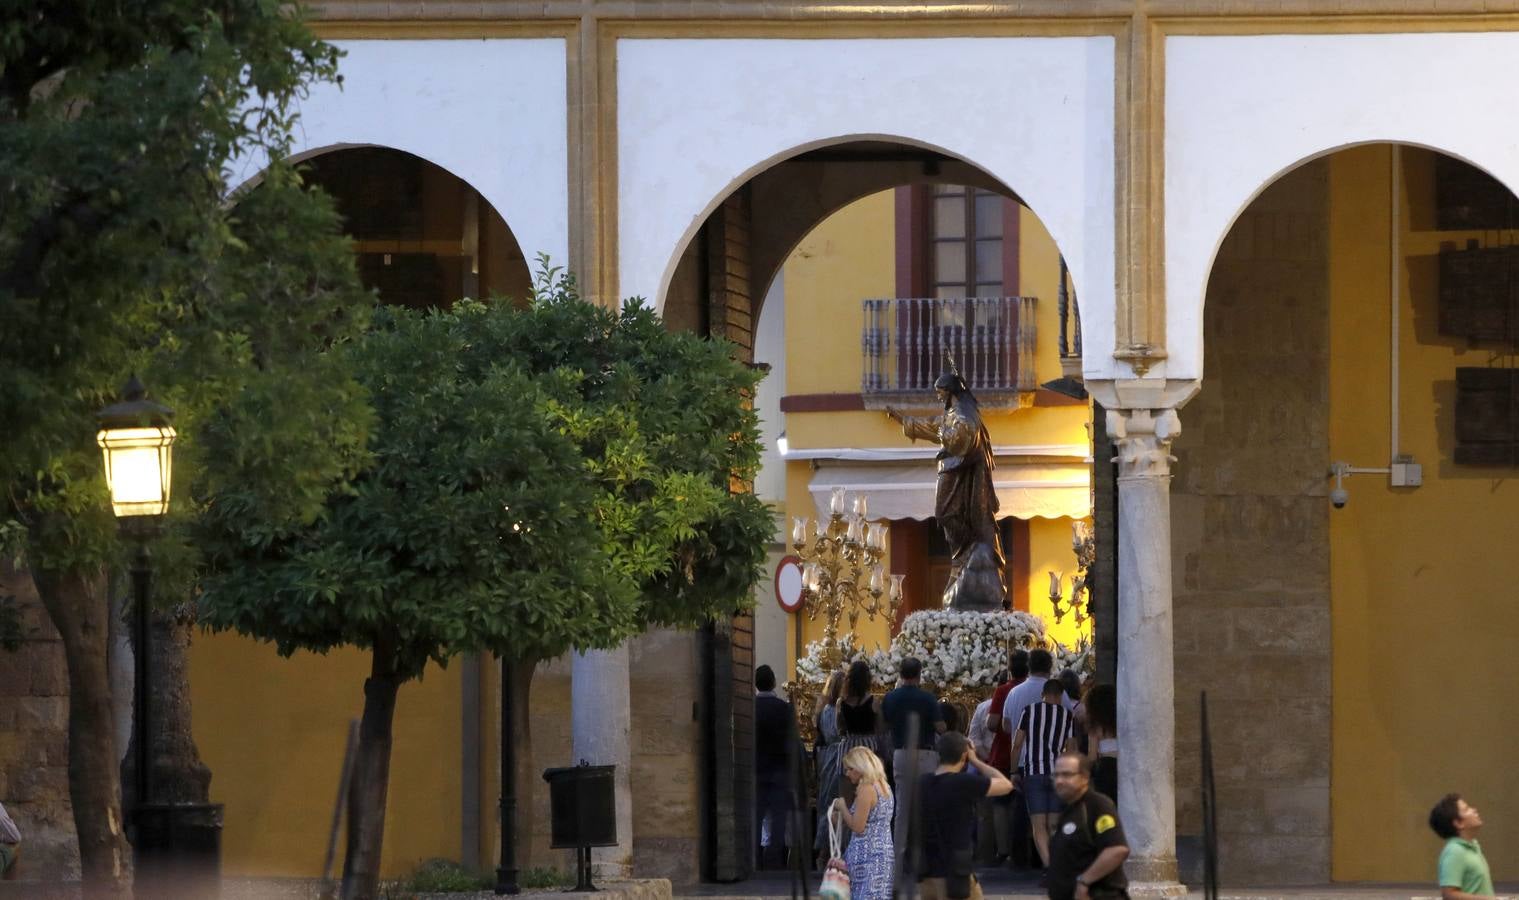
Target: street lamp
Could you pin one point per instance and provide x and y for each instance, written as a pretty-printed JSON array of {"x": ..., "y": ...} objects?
[
  {"x": 137, "y": 442},
  {"x": 176, "y": 845}
]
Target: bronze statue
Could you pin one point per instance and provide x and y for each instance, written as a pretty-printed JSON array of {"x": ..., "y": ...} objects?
[{"x": 965, "y": 502}]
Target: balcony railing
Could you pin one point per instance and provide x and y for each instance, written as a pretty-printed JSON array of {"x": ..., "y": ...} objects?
[
  {"x": 1070, "y": 325},
  {"x": 907, "y": 345}
]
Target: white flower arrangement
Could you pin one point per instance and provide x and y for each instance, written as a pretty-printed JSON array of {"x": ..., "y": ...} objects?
[{"x": 957, "y": 649}]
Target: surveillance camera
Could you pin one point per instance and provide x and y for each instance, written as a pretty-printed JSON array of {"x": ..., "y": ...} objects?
[{"x": 1339, "y": 497}]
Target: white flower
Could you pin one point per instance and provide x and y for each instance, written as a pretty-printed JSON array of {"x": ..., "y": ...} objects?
[{"x": 969, "y": 649}]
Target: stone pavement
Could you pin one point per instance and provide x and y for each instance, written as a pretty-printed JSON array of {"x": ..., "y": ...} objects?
[{"x": 998, "y": 885}]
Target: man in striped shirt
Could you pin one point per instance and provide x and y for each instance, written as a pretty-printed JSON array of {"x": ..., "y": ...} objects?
[{"x": 1044, "y": 731}]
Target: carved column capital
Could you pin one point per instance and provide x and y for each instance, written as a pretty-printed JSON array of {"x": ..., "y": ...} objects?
[{"x": 1143, "y": 438}]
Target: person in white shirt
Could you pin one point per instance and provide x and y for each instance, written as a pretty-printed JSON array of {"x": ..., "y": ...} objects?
[
  {"x": 981, "y": 736},
  {"x": 980, "y": 733},
  {"x": 10, "y": 843},
  {"x": 1040, "y": 665}
]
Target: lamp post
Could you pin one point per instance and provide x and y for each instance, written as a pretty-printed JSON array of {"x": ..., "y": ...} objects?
[
  {"x": 176, "y": 846},
  {"x": 137, "y": 442}
]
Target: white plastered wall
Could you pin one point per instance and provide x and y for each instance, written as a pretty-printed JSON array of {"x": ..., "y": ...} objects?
[
  {"x": 491, "y": 112},
  {"x": 770, "y": 349},
  {"x": 1241, "y": 111},
  {"x": 697, "y": 118}
]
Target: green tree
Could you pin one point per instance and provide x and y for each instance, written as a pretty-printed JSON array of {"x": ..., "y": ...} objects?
[
  {"x": 119, "y": 253},
  {"x": 541, "y": 479}
]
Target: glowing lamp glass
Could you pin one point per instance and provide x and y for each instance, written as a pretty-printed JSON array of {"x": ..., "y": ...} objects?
[{"x": 138, "y": 469}]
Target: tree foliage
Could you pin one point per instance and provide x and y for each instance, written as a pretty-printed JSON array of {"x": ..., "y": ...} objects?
[
  {"x": 118, "y": 250},
  {"x": 539, "y": 479},
  {"x": 119, "y": 253}
]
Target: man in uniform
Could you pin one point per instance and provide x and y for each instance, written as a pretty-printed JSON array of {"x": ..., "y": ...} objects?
[{"x": 1087, "y": 848}]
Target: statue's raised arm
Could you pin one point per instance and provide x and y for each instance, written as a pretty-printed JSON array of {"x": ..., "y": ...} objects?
[{"x": 918, "y": 428}]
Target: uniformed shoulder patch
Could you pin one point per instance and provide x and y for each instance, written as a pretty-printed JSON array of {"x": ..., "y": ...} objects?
[{"x": 1105, "y": 824}]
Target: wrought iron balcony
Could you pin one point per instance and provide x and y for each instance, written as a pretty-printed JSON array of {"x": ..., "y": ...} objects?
[
  {"x": 906, "y": 345},
  {"x": 1070, "y": 326}
]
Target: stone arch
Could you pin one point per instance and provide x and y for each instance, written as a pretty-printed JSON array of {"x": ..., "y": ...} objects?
[
  {"x": 698, "y": 117},
  {"x": 423, "y": 97},
  {"x": 786, "y": 197},
  {"x": 836, "y": 189},
  {"x": 455, "y": 236},
  {"x": 1236, "y": 121},
  {"x": 1325, "y": 153}
]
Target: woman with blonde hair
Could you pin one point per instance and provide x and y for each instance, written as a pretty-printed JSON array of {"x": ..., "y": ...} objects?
[
  {"x": 828, "y": 751},
  {"x": 870, "y": 852}
]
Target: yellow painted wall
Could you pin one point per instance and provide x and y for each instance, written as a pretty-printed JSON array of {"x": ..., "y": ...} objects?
[
  {"x": 850, "y": 257},
  {"x": 846, "y": 259},
  {"x": 1050, "y": 550},
  {"x": 1423, "y": 621},
  {"x": 273, "y": 732},
  {"x": 1039, "y": 276}
]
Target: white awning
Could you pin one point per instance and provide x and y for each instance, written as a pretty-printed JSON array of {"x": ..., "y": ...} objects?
[{"x": 906, "y": 491}]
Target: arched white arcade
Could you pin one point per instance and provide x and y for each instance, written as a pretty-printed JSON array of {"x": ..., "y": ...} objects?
[
  {"x": 491, "y": 112},
  {"x": 1243, "y": 110},
  {"x": 699, "y": 117}
]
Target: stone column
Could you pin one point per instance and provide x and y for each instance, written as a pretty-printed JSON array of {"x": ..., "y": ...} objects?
[
  {"x": 1146, "y": 688},
  {"x": 600, "y": 721}
]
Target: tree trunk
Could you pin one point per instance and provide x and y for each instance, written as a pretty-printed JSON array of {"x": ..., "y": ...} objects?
[
  {"x": 371, "y": 777},
  {"x": 78, "y": 606},
  {"x": 179, "y": 774},
  {"x": 522, "y": 744}
]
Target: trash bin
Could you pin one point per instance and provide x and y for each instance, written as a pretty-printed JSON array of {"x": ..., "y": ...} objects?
[{"x": 582, "y": 814}]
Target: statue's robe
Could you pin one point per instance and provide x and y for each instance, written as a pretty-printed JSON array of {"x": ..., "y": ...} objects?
[{"x": 966, "y": 501}]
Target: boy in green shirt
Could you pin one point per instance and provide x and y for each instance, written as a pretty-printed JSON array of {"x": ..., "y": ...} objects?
[{"x": 1463, "y": 870}]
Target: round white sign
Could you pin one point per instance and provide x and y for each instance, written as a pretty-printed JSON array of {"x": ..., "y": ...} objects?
[{"x": 788, "y": 584}]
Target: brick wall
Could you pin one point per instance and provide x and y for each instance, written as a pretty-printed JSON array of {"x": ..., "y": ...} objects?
[
  {"x": 34, "y": 742},
  {"x": 1251, "y": 545},
  {"x": 729, "y": 304},
  {"x": 730, "y": 315}
]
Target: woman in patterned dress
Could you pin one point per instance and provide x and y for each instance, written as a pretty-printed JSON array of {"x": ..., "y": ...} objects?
[{"x": 870, "y": 853}]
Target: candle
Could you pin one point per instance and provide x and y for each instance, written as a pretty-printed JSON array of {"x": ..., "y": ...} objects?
[
  {"x": 877, "y": 580},
  {"x": 811, "y": 577},
  {"x": 859, "y": 505},
  {"x": 856, "y": 531},
  {"x": 877, "y": 537},
  {"x": 836, "y": 504},
  {"x": 896, "y": 587},
  {"x": 799, "y": 532},
  {"x": 1055, "y": 584}
]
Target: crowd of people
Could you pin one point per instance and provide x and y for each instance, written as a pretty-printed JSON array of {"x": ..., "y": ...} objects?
[{"x": 1035, "y": 765}]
